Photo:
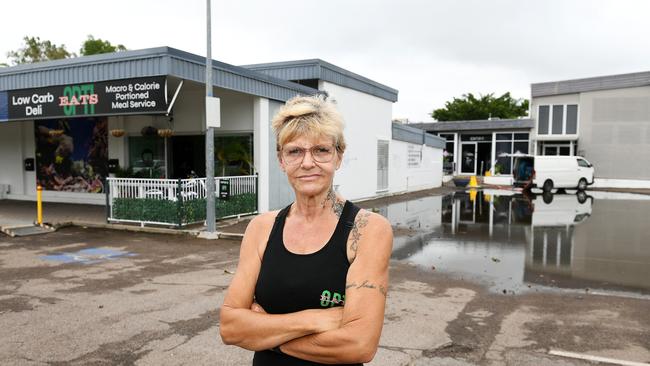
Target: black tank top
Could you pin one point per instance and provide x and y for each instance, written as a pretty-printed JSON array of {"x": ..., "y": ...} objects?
[{"x": 290, "y": 282}]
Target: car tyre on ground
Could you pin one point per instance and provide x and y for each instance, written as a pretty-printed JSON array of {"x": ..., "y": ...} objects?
[
  {"x": 548, "y": 185},
  {"x": 582, "y": 184}
]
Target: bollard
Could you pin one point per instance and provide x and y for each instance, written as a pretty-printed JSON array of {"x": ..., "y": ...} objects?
[{"x": 39, "y": 205}]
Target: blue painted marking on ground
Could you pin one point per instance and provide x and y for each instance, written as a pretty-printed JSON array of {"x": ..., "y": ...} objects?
[{"x": 88, "y": 256}]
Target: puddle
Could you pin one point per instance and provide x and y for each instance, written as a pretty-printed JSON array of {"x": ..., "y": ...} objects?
[
  {"x": 514, "y": 243},
  {"x": 88, "y": 256}
]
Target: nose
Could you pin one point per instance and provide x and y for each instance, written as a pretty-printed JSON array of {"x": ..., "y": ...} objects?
[{"x": 307, "y": 160}]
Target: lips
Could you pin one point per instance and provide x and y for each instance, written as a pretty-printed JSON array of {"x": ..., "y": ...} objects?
[{"x": 309, "y": 177}]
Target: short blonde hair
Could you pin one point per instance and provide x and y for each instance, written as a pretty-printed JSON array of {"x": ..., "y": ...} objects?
[{"x": 313, "y": 116}]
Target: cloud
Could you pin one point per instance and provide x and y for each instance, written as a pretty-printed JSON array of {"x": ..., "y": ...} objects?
[{"x": 431, "y": 51}]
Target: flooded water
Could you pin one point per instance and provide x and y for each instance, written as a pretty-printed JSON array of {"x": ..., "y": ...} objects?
[{"x": 511, "y": 242}]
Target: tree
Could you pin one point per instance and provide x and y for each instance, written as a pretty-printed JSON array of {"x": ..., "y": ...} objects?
[
  {"x": 36, "y": 50},
  {"x": 94, "y": 46},
  {"x": 485, "y": 106}
]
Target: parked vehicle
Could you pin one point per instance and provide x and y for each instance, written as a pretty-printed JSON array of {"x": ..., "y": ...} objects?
[{"x": 549, "y": 172}]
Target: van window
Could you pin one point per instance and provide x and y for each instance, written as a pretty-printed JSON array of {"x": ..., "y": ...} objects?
[{"x": 583, "y": 163}]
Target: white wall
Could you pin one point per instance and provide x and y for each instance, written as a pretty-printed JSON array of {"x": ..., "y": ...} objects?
[
  {"x": 367, "y": 118},
  {"x": 189, "y": 113},
  {"x": 614, "y": 128},
  {"x": 401, "y": 178}
]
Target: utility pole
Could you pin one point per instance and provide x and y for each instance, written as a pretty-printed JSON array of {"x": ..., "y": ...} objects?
[{"x": 209, "y": 134}]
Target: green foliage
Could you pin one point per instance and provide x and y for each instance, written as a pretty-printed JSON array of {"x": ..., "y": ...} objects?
[
  {"x": 188, "y": 211},
  {"x": 92, "y": 46},
  {"x": 233, "y": 155},
  {"x": 36, "y": 50},
  {"x": 485, "y": 106}
]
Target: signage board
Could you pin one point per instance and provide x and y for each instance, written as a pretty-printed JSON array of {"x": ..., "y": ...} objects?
[
  {"x": 105, "y": 98},
  {"x": 224, "y": 189}
]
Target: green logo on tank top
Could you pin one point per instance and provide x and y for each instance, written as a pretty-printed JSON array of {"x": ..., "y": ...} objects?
[{"x": 329, "y": 299}]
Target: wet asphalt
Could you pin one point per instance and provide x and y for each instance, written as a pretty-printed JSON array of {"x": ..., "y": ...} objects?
[{"x": 102, "y": 297}]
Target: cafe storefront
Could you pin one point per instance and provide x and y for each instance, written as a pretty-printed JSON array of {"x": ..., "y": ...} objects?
[
  {"x": 71, "y": 127},
  {"x": 68, "y": 125},
  {"x": 482, "y": 147}
]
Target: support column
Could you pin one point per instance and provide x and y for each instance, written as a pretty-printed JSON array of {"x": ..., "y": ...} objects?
[
  {"x": 493, "y": 153},
  {"x": 261, "y": 129}
]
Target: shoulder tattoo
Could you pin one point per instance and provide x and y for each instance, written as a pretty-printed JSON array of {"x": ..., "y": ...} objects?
[{"x": 355, "y": 234}]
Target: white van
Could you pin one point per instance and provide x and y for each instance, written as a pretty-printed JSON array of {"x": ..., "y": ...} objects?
[{"x": 548, "y": 172}]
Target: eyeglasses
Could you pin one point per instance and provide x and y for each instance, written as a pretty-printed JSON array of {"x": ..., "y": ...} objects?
[{"x": 320, "y": 153}]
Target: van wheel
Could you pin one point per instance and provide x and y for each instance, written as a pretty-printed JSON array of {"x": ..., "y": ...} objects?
[
  {"x": 548, "y": 185},
  {"x": 582, "y": 184}
]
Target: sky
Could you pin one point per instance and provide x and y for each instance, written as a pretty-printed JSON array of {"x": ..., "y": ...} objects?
[{"x": 430, "y": 51}]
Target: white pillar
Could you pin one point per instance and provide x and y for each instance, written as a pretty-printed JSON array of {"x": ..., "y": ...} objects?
[
  {"x": 493, "y": 157},
  {"x": 261, "y": 128}
]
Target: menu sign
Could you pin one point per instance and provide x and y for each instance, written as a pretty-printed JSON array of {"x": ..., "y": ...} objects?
[{"x": 126, "y": 96}]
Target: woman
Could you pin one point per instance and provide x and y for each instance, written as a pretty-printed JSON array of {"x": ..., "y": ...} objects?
[{"x": 312, "y": 279}]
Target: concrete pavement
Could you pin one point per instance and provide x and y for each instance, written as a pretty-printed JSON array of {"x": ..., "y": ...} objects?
[{"x": 88, "y": 296}]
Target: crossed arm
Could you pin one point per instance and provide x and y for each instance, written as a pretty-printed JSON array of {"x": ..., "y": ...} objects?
[{"x": 336, "y": 335}]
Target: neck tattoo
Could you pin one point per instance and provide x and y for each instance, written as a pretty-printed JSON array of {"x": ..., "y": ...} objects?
[{"x": 337, "y": 205}]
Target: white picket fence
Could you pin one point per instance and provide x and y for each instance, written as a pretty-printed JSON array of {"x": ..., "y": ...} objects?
[
  {"x": 192, "y": 188},
  {"x": 172, "y": 190}
]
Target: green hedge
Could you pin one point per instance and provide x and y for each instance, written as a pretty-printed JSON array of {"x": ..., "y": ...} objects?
[{"x": 185, "y": 212}]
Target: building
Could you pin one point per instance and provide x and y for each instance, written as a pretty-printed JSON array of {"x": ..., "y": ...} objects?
[
  {"x": 68, "y": 124},
  {"x": 604, "y": 119},
  {"x": 475, "y": 147}
]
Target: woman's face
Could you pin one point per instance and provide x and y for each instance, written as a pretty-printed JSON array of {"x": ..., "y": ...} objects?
[{"x": 310, "y": 164}]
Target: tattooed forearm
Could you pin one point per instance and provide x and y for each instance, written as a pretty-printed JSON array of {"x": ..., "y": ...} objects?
[
  {"x": 355, "y": 234},
  {"x": 367, "y": 284},
  {"x": 337, "y": 205}
]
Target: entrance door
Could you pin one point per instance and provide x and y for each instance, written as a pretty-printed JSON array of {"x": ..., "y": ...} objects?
[{"x": 468, "y": 158}]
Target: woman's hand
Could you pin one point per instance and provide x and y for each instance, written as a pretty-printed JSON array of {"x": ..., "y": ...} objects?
[{"x": 328, "y": 319}]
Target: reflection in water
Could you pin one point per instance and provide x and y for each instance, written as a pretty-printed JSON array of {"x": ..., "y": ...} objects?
[{"x": 511, "y": 241}]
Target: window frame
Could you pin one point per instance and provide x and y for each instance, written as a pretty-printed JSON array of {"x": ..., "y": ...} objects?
[{"x": 549, "y": 122}]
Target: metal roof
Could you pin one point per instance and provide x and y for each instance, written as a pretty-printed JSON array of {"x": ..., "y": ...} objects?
[
  {"x": 147, "y": 62},
  {"x": 476, "y": 125},
  {"x": 591, "y": 84},
  {"x": 322, "y": 70},
  {"x": 414, "y": 135}
]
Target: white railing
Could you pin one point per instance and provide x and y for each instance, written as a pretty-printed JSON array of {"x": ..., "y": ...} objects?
[
  {"x": 171, "y": 190},
  {"x": 192, "y": 188}
]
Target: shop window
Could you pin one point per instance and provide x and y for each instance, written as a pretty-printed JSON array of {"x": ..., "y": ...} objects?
[
  {"x": 233, "y": 155},
  {"x": 504, "y": 161},
  {"x": 504, "y": 136},
  {"x": 147, "y": 157},
  {"x": 71, "y": 155},
  {"x": 521, "y": 136},
  {"x": 520, "y": 147},
  {"x": 542, "y": 120}
]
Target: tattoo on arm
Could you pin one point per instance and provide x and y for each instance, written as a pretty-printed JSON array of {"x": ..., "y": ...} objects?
[
  {"x": 367, "y": 284},
  {"x": 337, "y": 205},
  {"x": 355, "y": 234}
]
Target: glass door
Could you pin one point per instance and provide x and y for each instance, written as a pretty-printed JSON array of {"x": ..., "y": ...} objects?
[{"x": 468, "y": 158}]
